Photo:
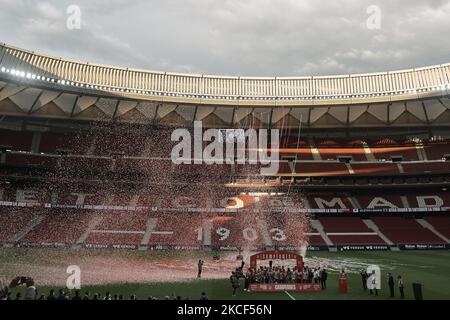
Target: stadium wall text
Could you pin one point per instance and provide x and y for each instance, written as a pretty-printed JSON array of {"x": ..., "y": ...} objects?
[{"x": 231, "y": 203}]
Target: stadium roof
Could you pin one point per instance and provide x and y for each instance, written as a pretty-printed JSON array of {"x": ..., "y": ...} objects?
[
  {"x": 384, "y": 84},
  {"x": 43, "y": 86}
]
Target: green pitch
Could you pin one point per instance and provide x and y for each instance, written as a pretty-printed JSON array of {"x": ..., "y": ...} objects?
[{"x": 430, "y": 268}]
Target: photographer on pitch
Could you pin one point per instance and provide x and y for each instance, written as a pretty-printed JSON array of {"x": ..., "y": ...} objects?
[{"x": 234, "y": 279}]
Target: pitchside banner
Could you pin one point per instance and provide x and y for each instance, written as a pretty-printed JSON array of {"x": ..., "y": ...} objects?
[
  {"x": 424, "y": 246},
  {"x": 363, "y": 248},
  {"x": 282, "y": 287}
]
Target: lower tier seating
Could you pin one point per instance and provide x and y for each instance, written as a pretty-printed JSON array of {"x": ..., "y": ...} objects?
[{"x": 146, "y": 229}]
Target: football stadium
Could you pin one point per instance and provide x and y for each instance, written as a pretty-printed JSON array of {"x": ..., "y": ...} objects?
[{"x": 120, "y": 183}]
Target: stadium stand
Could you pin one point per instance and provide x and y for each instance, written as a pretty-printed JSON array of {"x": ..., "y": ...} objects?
[
  {"x": 441, "y": 224},
  {"x": 349, "y": 231},
  {"x": 326, "y": 201},
  {"x": 374, "y": 168},
  {"x": 405, "y": 231},
  {"x": 386, "y": 149},
  {"x": 332, "y": 150},
  {"x": 88, "y": 163},
  {"x": 57, "y": 228},
  {"x": 16, "y": 140},
  {"x": 437, "y": 150},
  {"x": 12, "y": 222}
]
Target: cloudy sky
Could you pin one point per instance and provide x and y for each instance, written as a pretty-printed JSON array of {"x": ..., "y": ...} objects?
[{"x": 237, "y": 37}]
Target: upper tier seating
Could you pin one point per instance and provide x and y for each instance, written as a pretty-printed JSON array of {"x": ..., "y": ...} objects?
[
  {"x": 332, "y": 150},
  {"x": 426, "y": 167},
  {"x": 387, "y": 148},
  {"x": 437, "y": 150},
  {"x": 131, "y": 142},
  {"x": 16, "y": 140},
  {"x": 313, "y": 169},
  {"x": 375, "y": 168}
]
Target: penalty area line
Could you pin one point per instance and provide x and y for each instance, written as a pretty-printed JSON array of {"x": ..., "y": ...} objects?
[{"x": 289, "y": 295}]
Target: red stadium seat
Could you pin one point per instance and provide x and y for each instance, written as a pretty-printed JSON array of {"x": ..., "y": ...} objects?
[{"x": 405, "y": 231}]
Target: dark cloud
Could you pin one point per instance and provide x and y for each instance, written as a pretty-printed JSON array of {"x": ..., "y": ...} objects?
[{"x": 251, "y": 37}]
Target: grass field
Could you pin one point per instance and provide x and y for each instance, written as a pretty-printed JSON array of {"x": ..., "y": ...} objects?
[{"x": 431, "y": 268}]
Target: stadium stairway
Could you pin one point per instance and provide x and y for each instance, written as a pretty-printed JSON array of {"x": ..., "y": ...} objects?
[
  {"x": 428, "y": 226},
  {"x": 353, "y": 200},
  {"x": 207, "y": 231},
  {"x": 150, "y": 226},
  {"x": 319, "y": 227},
  {"x": 350, "y": 169},
  {"x": 314, "y": 151},
  {"x": 421, "y": 152},
  {"x": 95, "y": 221},
  {"x": 368, "y": 152},
  {"x": 35, "y": 221},
  {"x": 371, "y": 225}
]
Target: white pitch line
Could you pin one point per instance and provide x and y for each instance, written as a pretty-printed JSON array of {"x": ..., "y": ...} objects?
[
  {"x": 118, "y": 231},
  {"x": 290, "y": 296},
  {"x": 164, "y": 233}
]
